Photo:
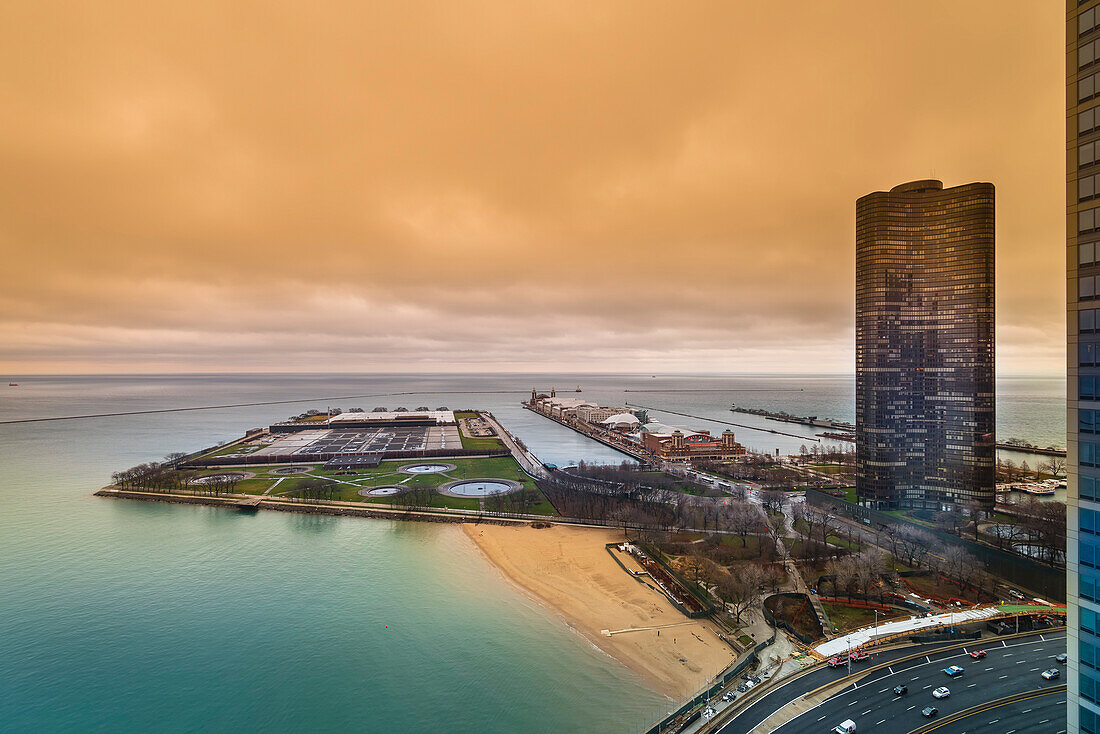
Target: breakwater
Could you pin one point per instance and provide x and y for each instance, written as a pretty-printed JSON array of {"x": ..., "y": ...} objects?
[{"x": 812, "y": 420}]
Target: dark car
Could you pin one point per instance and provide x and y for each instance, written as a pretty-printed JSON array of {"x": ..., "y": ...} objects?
[
  {"x": 742, "y": 688},
  {"x": 900, "y": 690},
  {"x": 977, "y": 654},
  {"x": 929, "y": 711}
]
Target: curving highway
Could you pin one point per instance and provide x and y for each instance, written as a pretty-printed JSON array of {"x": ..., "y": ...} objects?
[
  {"x": 788, "y": 691},
  {"x": 1010, "y": 667}
]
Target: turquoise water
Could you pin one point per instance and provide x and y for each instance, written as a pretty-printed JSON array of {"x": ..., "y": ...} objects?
[{"x": 127, "y": 616}]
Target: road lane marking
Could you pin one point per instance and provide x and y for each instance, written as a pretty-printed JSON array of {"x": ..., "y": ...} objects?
[
  {"x": 1002, "y": 677},
  {"x": 911, "y": 707},
  {"x": 927, "y": 687},
  {"x": 990, "y": 668},
  {"x": 884, "y": 690},
  {"x": 972, "y": 685},
  {"x": 1032, "y": 670},
  {"x": 994, "y": 721},
  {"x": 822, "y": 717},
  {"x": 853, "y": 703},
  {"x": 881, "y": 722},
  {"x": 866, "y": 712}
]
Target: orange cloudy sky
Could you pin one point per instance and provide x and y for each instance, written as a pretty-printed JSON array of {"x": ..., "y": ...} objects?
[{"x": 448, "y": 186}]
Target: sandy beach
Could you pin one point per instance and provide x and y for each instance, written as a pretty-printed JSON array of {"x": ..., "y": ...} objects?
[{"x": 569, "y": 570}]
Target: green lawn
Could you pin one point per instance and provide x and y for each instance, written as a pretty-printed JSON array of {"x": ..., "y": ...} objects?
[
  {"x": 481, "y": 443},
  {"x": 492, "y": 467},
  {"x": 851, "y": 617}
]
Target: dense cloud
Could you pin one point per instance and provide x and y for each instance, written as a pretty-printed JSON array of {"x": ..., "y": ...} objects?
[{"x": 631, "y": 186}]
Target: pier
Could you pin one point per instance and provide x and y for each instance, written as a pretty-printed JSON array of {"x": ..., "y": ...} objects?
[{"x": 632, "y": 450}]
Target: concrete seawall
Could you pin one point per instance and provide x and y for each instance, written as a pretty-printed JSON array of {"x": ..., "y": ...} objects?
[{"x": 378, "y": 513}]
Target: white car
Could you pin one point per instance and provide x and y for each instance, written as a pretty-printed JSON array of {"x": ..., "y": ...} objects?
[
  {"x": 1050, "y": 674},
  {"x": 941, "y": 692}
]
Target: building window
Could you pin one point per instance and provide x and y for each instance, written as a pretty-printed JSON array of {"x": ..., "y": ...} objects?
[
  {"x": 1086, "y": 21},
  {"x": 1086, "y": 121},
  {"x": 1086, "y": 253},
  {"x": 1086, "y": 154},
  {"x": 1086, "y": 55},
  {"x": 1087, "y": 88},
  {"x": 1086, "y": 387},
  {"x": 1086, "y": 288},
  {"x": 1086, "y": 321},
  {"x": 1086, "y": 221}
]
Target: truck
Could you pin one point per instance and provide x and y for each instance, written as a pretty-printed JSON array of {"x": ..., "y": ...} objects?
[{"x": 846, "y": 727}]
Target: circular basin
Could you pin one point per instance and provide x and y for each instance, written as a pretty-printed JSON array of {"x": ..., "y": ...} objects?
[
  {"x": 235, "y": 476},
  {"x": 433, "y": 468},
  {"x": 479, "y": 487},
  {"x": 290, "y": 470},
  {"x": 385, "y": 491}
]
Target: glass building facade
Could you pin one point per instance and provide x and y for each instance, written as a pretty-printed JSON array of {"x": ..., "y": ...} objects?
[
  {"x": 925, "y": 346},
  {"x": 1083, "y": 368}
]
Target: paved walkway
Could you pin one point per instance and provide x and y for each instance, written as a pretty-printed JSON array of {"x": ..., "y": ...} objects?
[{"x": 526, "y": 459}]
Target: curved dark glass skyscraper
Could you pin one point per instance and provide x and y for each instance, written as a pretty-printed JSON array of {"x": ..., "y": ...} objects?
[{"x": 924, "y": 346}]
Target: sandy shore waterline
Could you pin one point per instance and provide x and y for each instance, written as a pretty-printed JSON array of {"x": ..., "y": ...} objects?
[{"x": 568, "y": 569}]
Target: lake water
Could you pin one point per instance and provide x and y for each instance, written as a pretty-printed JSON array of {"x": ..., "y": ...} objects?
[{"x": 128, "y": 616}]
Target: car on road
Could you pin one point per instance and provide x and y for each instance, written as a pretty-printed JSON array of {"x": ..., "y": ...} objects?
[
  {"x": 846, "y": 727},
  {"x": 977, "y": 654},
  {"x": 941, "y": 692},
  {"x": 709, "y": 713},
  {"x": 742, "y": 688},
  {"x": 900, "y": 690},
  {"x": 954, "y": 670},
  {"x": 1061, "y": 658},
  {"x": 859, "y": 656},
  {"x": 1015, "y": 594},
  {"x": 835, "y": 662},
  {"x": 728, "y": 696},
  {"x": 1051, "y": 674},
  {"x": 929, "y": 711}
]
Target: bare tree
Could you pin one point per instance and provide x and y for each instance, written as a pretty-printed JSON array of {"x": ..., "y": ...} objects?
[
  {"x": 772, "y": 499},
  {"x": 743, "y": 519},
  {"x": 739, "y": 591},
  {"x": 1055, "y": 466}
]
